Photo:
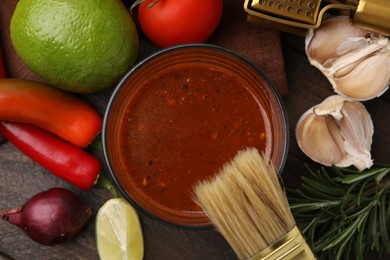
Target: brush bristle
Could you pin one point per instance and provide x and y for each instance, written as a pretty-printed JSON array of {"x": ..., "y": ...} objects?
[{"x": 246, "y": 203}]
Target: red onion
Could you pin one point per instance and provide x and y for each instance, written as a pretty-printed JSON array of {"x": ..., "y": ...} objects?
[{"x": 50, "y": 217}]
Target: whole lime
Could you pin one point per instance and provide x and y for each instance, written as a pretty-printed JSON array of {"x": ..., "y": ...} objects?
[{"x": 81, "y": 46}]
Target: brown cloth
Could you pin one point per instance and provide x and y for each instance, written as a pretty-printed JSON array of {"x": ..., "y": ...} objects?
[
  {"x": 14, "y": 66},
  {"x": 259, "y": 44}
]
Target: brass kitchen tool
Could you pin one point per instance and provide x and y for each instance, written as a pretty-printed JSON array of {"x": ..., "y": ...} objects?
[{"x": 298, "y": 16}]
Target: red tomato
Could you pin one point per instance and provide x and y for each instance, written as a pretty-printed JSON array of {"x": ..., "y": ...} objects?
[{"x": 171, "y": 22}]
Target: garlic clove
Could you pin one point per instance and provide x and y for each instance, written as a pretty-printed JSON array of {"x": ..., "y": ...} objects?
[
  {"x": 337, "y": 131},
  {"x": 355, "y": 61},
  {"x": 366, "y": 79},
  {"x": 320, "y": 47},
  {"x": 330, "y": 106},
  {"x": 346, "y": 69},
  {"x": 352, "y": 44},
  {"x": 319, "y": 138},
  {"x": 357, "y": 129}
]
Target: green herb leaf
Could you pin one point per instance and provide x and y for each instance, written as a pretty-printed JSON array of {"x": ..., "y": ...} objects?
[
  {"x": 344, "y": 212},
  {"x": 384, "y": 231}
]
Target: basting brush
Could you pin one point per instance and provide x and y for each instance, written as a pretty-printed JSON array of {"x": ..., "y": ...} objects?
[{"x": 248, "y": 206}]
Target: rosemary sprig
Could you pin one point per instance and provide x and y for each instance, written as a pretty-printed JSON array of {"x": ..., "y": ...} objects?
[{"x": 342, "y": 212}]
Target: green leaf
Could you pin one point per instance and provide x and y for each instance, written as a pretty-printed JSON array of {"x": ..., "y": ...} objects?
[
  {"x": 346, "y": 212},
  {"x": 351, "y": 188},
  {"x": 338, "y": 171},
  {"x": 388, "y": 210},
  {"x": 309, "y": 225},
  {"x": 373, "y": 229},
  {"x": 344, "y": 249},
  {"x": 348, "y": 179},
  {"x": 313, "y": 205},
  {"x": 380, "y": 176},
  {"x": 361, "y": 192},
  {"x": 359, "y": 241},
  {"x": 362, "y": 210},
  {"x": 330, "y": 179},
  {"x": 343, "y": 235},
  {"x": 323, "y": 188},
  {"x": 383, "y": 224}
]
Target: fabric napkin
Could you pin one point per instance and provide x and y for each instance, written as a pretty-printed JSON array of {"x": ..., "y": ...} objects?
[
  {"x": 259, "y": 44},
  {"x": 15, "y": 67}
]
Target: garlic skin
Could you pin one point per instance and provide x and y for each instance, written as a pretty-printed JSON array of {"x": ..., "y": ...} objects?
[
  {"x": 355, "y": 61},
  {"x": 337, "y": 132}
]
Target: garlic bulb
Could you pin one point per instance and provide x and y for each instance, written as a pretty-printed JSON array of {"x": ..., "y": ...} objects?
[
  {"x": 355, "y": 61},
  {"x": 337, "y": 132}
]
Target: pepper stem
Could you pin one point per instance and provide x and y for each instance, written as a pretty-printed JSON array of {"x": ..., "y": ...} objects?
[{"x": 104, "y": 182}]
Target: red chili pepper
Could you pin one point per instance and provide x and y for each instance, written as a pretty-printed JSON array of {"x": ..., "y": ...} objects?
[
  {"x": 52, "y": 109},
  {"x": 67, "y": 161}
]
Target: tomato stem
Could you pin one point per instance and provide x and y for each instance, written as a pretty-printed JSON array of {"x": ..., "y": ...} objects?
[
  {"x": 135, "y": 4},
  {"x": 141, "y": 1},
  {"x": 153, "y": 3}
]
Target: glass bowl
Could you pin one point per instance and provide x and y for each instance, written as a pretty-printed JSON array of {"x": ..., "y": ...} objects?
[{"x": 177, "y": 117}]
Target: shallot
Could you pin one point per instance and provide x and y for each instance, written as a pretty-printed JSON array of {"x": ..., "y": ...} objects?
[{"x": 50, "y": 217}]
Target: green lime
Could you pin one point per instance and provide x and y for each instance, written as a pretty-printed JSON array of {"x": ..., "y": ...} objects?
[
  {"x": 118, "y": 231},
  {"x": 78, "y": 45}
]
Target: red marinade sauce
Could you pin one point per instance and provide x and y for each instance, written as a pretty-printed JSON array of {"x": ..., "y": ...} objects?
[{"x": 182, "y": 125}]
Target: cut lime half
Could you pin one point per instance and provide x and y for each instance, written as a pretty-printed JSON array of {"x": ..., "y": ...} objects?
[{"x": 118, "y": 231}]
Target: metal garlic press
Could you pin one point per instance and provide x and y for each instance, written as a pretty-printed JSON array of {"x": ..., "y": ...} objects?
[{"x": 298, "y": 16}]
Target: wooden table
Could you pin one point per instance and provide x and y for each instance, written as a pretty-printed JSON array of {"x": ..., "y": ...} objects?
[{"x": 21, "y": 177}]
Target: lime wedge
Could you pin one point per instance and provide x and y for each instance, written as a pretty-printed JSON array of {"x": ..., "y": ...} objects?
[{"x": 118, "y": 231}]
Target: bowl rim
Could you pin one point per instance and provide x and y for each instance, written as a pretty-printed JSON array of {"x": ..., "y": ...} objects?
[{"x": 140, "y": 64}]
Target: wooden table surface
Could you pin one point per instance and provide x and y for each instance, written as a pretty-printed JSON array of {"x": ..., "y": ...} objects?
[{"x": 21, "y": 177}]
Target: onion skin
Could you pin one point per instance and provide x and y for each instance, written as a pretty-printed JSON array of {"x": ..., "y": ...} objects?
[{"x": 50, "y": 217}]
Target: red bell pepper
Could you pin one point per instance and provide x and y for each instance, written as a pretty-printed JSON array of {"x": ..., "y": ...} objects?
[
  {"x": 52, "y": 109},
  {"x": 66, "y": 161}
]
